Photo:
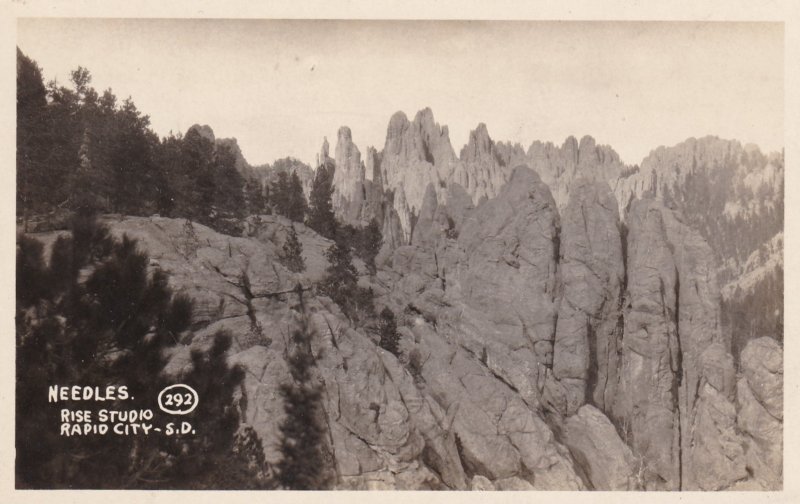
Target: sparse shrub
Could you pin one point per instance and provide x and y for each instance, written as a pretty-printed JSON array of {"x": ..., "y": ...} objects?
[
  {"x": 451, "y": 232},
  {"x": 415, "y": 364},
  {"x": 368, "y": 244},
  {"x": 387, "y": 329}
]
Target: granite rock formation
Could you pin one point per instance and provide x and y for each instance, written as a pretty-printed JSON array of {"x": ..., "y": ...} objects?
[{"x": 560, "y": 314}]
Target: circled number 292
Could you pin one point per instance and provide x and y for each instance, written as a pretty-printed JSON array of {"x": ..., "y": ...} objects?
[{"x": 178, "y": 399}]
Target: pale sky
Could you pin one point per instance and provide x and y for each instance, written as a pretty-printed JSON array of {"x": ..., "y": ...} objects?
[{"x": 280, "y": 86}]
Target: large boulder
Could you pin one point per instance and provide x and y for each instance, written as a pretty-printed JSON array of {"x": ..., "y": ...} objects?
[{"x": 593, "y": 441}]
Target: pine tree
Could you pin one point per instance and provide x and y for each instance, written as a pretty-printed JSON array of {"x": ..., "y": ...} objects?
[
  {"x": 369, "y": 244},
  {"x": 228, "y": 184},
  {"x": 341, "y": 284},
  {"x": 96, "y": 316},
  {"x": 302, "y": 466},
  {"x": 341, "y": 277},
  {"x": 320, "y": 215},
  {"x": 291, "y": 254},
  {"x": 32, "y": 139},
  {"x": 387, "y": 329},
  {"x": 296, "y": 200},
  {"x": 197, "y": 165},
  {"x": 279, "y": 194},
  {"x": 254, "y": 197}
]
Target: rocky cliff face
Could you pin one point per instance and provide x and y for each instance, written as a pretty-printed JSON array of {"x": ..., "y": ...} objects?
[
  {"x": 553, "y": 336},
  {"x": 418, "y": 153},
  {"x": 348, "y": 178},
  {"x": 731, "y": 194},
  {"x": 677, "y": 377},
  {"x": 759, "y": 398},
  {"x": 588, "y": 338},
  {"x": 539, "y": 350}
]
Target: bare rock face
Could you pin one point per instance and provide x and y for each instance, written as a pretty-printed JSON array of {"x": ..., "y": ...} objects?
[
  {"x": 497, "y": 434},
  {"x": 384, "y": 432},
  {"x": 677, "y": 376},
  {"x": 560, "y": 166},
  {"x": 504, "y": 273},
  {"x": 418, "y": 153},
  {"x": 482, "y": 172},
  {"x": 348, "y": 178},
  {"x": 608, "y": 462},
  {"x": 589, "y": 329},
  {"x": 760, "y": 411},
  {"x": 415, "y": 155},
  {"x": 324, "y": 158},
  {"x": 474, "y": 295},
  {"x": 424, "y": 232},
  {"x": 733, "y": 195},
  {"x": 375, "y": 204}
]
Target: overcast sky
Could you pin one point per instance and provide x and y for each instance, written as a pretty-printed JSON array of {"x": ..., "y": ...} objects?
[{"x": 280, "y": 86}]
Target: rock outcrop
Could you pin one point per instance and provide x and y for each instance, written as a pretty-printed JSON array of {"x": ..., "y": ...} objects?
[
  {"x": 384, "y": 432},
  {"x": 504, "y": 272},
  {"x": 416, "y": 153},
  {"x": 677, "y": 379},
  {"x": 348, "y": 178},
  {"x": 559, "y": 317},
  {"x": 759, "y": 397},
  {"x": 588, "y": 337},
  {"x": 560, "y": 166},
  {"x": 482, "y": 171},
  {"x": 608, "y": 463},
  {"x": 733, "y": 195}
]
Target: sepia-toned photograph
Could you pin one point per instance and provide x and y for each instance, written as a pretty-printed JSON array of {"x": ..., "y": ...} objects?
[{"x": 263, "y": 254}]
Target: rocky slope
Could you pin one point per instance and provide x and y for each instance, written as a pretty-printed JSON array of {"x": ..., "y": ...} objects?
[
  {"x": 540, "y": 349},
  {"x": 561, "y": 327}
]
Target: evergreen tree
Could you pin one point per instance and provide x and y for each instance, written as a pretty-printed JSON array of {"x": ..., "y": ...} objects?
[
  {"x": 320, "y": 215},
  {"x": 197, "y": 167},
  {"x": 369, "y": 244},
  {"x": 32, "y": 140},
  {"x": 341, "y": 284},
  {"x": 341, "y": 277},
  {"x": 254, "y": 197},
  {"x": 95, "y": 316},
  {"x": 296, "y": 199},
  {"x": 303, "y": 464},
  {"x": 279, "y": 194},
  {"x": 387, "y": 329},
  {"x": 291, "y": 254},
  {"x": 228, "y": 184},
  {"x": 133, "y": 178}
]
